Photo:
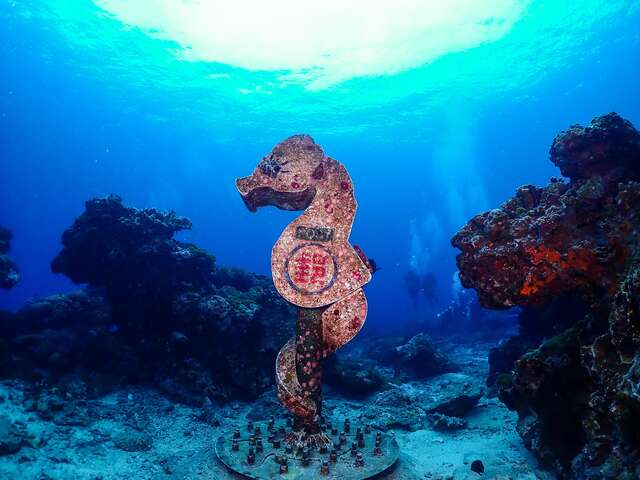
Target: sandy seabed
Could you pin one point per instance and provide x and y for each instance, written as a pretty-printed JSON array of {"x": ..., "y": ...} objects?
[{"x": 137, "y": 433}]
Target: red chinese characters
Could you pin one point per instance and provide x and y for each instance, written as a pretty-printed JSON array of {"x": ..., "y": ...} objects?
[
  {"x": 319, "y": 269},
  {"x": 311, "y": 268},
  {"x": 302, "y": 268}
]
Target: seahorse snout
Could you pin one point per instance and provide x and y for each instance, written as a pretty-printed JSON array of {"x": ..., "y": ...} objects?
[{"x": 245, "y": 186}]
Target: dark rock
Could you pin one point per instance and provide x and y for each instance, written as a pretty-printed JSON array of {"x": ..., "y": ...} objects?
[
  {"x": 412, "y": 407},
  {"x": 551, "y": 385},
  {"x": 209, "y": 415},
  {"x": 354, "y": 378},
  {"x": 12, "y": 437},
  {"x": 237, "y": 278},
  {"x": 454, "y": 394},
  {"x": 248, "y": 328},
  {"x": 539, "y": 323},
  {"x": 477, "y": 466},
  {"x": 192, "y": 384},
  {"x": 9, "y": 274},
  {"x": 132, "y": 255},
  {"x": 394, "y": 409},
  {"x": 130, "y": 251},
  {"x": 536, "y": 325},
  {"x": 460, "y": 405},
  {"x": 502, "y": 358},
  {"x": 66, "y": 333},
  {"x": 155, "y": 310},
  {"x": 84, "y": 308},
  {"x": 575, "y": 384},
  {"x": 133, "y": 441},
  {"x": 418, "y": 359}
]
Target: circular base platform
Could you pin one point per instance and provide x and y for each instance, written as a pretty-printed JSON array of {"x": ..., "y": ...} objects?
[{"x": 356, "y": 458}]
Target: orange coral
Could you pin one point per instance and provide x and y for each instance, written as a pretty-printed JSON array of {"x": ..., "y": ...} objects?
[{"x": 550, "y": 263}]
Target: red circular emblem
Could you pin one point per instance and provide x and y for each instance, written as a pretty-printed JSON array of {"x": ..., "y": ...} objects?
[{"x": 311, "y": 268}]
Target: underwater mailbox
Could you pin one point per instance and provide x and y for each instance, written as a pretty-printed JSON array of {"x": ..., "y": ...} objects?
[{"x": 315, "y": 268}]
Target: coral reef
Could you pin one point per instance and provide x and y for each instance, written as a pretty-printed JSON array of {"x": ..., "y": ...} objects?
[
  {"x": 155, "y": 310},
  {"x": 132, "y": 254},
  {"x": 609, "y": 143},
  {"x": 565, "y": 238},
  {"x": 63, "y": 333},
  {"x": 574, "y": 384},
  {"x": 9, "y": 274},
  {"x": 535, "y": 325}
]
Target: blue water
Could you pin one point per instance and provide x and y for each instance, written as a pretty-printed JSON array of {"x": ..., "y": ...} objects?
[{"x": 96, "y": 98}]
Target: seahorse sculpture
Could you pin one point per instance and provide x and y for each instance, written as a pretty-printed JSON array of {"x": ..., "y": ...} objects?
[{"x": 313, "y": 267}]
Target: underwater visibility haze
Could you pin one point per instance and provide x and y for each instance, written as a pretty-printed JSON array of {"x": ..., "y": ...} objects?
[{"x": 493, "y": 251}]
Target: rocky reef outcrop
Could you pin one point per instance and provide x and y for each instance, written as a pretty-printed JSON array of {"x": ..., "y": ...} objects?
[
  {"x": 155, "y": 309},
  {"x": 9, "y": 273},
  {"x": 418, "y": 358},
  {"x": 574, "y": 383},
  {"x": 380, "y": 362},
  {"x": 571, "y": 237},
  {"x": 355, "y": 377}
]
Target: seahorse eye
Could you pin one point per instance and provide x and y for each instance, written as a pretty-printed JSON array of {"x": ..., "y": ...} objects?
[{"x": 270, "y": 166}]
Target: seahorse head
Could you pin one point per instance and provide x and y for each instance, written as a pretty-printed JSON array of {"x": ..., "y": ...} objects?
[{"x": 286, "y": 177}]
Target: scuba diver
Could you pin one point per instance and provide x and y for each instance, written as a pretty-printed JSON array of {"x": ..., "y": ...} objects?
[{"x": 425, "y": 284}]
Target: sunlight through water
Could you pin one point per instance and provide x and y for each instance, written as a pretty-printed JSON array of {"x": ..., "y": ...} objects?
[
  {"x": 336, "y": 68},
  {"x": 321, "y": 43}
]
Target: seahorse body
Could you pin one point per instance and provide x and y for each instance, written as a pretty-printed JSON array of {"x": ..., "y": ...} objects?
[{"x": 313, "y": 265}]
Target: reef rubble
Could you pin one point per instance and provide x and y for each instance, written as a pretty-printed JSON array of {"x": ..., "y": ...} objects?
[{"x": 568, "y": 253}]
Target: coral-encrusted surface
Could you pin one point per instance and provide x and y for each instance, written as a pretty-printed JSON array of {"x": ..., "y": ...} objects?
[
  {"x": 564, "y": 238},
  {"x": 313, "y": 265},
  {"x": 576, "y": 393},
  {"x": 609, "y": 143},
  {"x": 9, "y": 274}
]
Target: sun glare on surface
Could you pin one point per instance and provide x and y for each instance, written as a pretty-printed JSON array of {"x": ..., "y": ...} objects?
[{"x": 320, "y": 43}]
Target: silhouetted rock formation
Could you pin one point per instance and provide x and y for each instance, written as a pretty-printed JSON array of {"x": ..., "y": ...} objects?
[
  {"x": 132, "y": 253},
  {"x": 418, "y": 359},
  {"x": 576, "y": 393},
  {"x": 354, "y": 378},
  {"x": 9, "y": 274},
  {"x": 156, "y": 310}
]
